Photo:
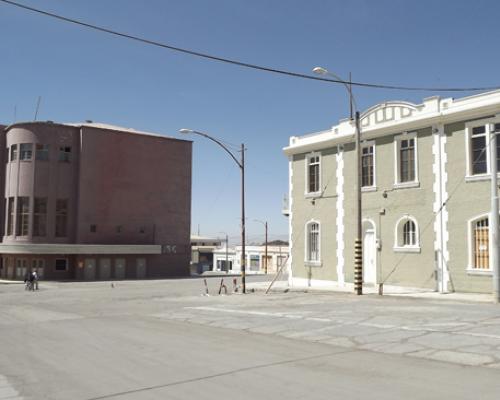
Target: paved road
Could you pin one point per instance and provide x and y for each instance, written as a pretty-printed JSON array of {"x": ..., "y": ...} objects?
[{"x": 164, "y": 340}]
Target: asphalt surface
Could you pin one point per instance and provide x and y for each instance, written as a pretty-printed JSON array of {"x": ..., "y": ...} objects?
[{"x": 166, "y": 340}]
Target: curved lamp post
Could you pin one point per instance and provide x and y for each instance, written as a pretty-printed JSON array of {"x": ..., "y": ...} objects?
[
  {"x": 358, "y": 251},
  {"x": 240, "y": 164}
]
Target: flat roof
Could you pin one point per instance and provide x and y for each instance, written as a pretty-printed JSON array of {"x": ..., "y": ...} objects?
[{"x": 96, "y": 125}]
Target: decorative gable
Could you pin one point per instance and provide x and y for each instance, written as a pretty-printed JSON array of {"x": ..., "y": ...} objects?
[{"x": 389, "y": 111}]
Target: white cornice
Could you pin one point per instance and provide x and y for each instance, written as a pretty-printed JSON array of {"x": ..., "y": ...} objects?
[
  {"x": 79, "y": 249},
  {"x": 393, "y": 119}
]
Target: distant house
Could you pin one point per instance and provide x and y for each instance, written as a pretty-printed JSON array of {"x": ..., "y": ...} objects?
[
  {"x": 277, "y": 256},
  {"x": 202, "y": 249},
  {"x": 93, "y": 201},
  {"x": 425, "y": 179}
]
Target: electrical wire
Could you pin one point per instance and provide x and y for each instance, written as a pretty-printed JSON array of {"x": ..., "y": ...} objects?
[{"x": 245, "y": 64}]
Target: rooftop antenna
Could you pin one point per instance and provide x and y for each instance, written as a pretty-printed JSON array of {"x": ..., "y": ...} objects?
[
  {"x": 15, "y": 113},
  {"x": 198, "y": 229},
  {"x": 37, "y": 106}
]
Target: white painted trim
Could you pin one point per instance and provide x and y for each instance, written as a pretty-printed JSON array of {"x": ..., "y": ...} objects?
[
  {"x": 398, "y": 230},
  {"x": 469, "y": 177},
  {"x": 306, "y": 188},
  {"x": 397, "y": 147},
  {"x": 340, "y": 216},
  {"x": 374, "y": 230},
  {"x": 36, "y": 248},
  {"x": 441, "y": 234},
  {"x": 470, "y": 264},
  {"x": 431, "y": 111},
  {"x": 290, "y": 219},
  {"x": 478, "y": 272},
  {"x": 406, "y": 185},
  {"x": 371, "y": 143},
  {"x": 306, "y": 246},
  {"x": 406, "y": 249}
]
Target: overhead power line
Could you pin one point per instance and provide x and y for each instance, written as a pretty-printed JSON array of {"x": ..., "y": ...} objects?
[{"x": 244, "y": 64}]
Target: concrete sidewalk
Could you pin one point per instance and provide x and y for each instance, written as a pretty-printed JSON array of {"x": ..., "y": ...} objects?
[
  {"x": 388, "y": 290},
  {"x": 7, "y": 282}
]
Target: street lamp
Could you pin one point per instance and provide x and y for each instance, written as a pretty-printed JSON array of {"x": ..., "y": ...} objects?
[
  {"x": 358, "y": 251},
  {"x": 240, "y": 164},
  {"x": 265, "y": 256}
]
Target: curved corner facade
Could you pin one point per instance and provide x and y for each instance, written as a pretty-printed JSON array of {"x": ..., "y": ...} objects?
[
  {"x": 41, "y": 176},
  {"x": 90, "y": 201}
]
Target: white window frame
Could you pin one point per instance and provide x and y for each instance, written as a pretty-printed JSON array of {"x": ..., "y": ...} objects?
[
  {"x": 397, "y": 160},
  {"x": 307, "y": 261},
  {"x": 469, "y": 126},
  {"x": 398, "y": 236},
  {"x": 373, "y": 187},
  {"x": 470, "y": 244},
  {"x": 306, "y": 189}
]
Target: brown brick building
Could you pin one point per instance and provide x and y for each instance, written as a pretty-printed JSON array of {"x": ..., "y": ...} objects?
[{"x": 91, "y": 201}]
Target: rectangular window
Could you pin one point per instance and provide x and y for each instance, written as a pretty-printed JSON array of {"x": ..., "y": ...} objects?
[
  {"x": 254, "y": 262},
  {"x": 25, "y": 151},
  {"x": 10, "y": 217},
  {"x": 481, "y": 245},
  {"x": 61, "y": 217},
  {"x": 42, "y": 152},
  {"x": 23, "y": 216},
  {"x": 313, "y": 242},
  {"x": 313, "y": 174},
  {"x": 407, "y": 160},
  {"x": 65, "y": 153},
  {"x": 93, "y": 228},
  {"x": 13, "y": 152},
  {"x": 40, "y": 217},
  {"x": 478, "y": 151},
  {"x": 61, "y": 264},
  {"x": 367, "y": 166}
]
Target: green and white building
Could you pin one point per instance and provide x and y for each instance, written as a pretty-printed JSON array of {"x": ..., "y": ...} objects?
[{"x": 425, "y": 196}]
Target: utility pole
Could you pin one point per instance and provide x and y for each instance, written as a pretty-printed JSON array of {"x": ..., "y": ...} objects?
[
  {"x": 266, "y": 249},
  {"x": 494, "y": 256},
  {"x": 358, "y": 249},
  {"x": 243, "y": 255}
]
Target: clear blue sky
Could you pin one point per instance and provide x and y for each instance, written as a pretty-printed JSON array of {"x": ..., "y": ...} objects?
[{"x": 83, "y": 74}]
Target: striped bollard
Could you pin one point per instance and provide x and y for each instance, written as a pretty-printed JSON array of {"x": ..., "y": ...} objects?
[{"x": 358, "y": 267}]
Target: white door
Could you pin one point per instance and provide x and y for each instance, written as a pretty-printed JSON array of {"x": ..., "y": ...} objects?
[{"x": 369, "y": 254}]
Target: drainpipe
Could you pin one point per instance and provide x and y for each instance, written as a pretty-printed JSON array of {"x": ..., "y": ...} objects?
[{"x": 494, "y": 212}]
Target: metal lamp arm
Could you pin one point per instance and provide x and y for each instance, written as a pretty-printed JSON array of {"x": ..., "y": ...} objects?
[{"x": 221, "y": 145}]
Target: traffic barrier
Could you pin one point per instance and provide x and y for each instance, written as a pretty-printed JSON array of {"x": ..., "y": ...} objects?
[{"x": 222, "y": 286}]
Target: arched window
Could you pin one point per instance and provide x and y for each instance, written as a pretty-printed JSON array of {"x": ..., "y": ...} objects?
[
  {"x": 313, "y": 243},
  {"x": 406, "y": 235},
  {"x": 409, "y": 233}
]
